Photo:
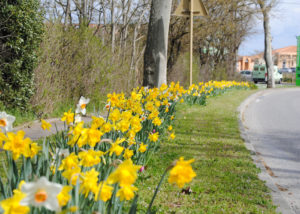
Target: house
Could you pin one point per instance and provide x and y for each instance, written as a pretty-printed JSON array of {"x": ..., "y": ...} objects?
[{"x": 283, "y": 57}]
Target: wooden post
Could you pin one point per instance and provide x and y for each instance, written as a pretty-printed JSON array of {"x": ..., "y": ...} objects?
[
  {"x": 191, "y": 8},
  {"x": 191, "y": 41}
]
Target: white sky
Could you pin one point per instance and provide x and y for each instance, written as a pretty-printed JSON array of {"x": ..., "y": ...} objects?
[{"x": 285, "y": 26}]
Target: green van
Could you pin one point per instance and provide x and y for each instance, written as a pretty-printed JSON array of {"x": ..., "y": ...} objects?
[{"x": 259, "y": 74}]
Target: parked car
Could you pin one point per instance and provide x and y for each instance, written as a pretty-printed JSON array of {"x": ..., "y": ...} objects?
[
  {"x": 259, "y": 74},
  {"x": 293, "y": 70},
  {"x": 247, "y": 75},
  {"x": 285, "y": 70}
]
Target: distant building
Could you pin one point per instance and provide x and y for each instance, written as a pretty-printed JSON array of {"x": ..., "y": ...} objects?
[{"x": 282, "y": 57}]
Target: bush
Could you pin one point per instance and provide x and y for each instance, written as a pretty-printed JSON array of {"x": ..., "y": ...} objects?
[
  {"x": 21, "y": 28},
  {"x": 73, "y": 63}
]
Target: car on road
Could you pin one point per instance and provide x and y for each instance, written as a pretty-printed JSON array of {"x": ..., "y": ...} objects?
[
  {"x": 293, "y": 69},
  {"x": 247, "y": 75},
  {"x": 285, "y": 70},
  {"x": 259, "y": 74}
]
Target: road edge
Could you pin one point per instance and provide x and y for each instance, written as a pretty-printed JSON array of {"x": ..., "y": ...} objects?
[{"x": 278, "y": 199}]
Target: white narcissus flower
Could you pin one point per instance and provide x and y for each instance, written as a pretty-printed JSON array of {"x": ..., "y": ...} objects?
[
  {"x": 81, "y": 105},
  {"x": 41, "y": 193},
  {"x": 62, "y": 152},
  {"x": 6, "y": 121},
  {"x": 78, "y": 118}
]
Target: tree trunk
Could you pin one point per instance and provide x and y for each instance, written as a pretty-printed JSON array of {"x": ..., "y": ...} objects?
[
  {"x": 83, "y": 12},
  {"x": 68, "y": 13},
  {"x": 113, "y": 28},
  {"x": 155, "y": 57},
  {"x": 268, "y": 45}
]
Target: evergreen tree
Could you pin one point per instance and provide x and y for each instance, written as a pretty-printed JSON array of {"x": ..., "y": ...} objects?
[{"x": 21, "y": 29}]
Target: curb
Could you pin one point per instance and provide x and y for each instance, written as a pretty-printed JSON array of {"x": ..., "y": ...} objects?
[{"x": 278, "y": 199}]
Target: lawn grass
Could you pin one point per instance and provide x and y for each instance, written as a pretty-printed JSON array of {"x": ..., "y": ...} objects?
[{"x": 226, "y": 180}]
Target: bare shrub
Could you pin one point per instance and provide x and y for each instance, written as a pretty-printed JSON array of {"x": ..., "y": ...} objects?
[{"x": 73, "y": 63}]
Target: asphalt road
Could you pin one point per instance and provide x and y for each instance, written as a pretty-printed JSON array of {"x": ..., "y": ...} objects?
[{"x": 272, "y": 125}]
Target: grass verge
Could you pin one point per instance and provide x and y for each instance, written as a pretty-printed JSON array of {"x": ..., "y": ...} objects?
[{"x": 226, "y": 180}]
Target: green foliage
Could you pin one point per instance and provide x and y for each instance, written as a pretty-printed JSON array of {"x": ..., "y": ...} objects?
[
  {"x": 21, "y": 28},
  {"x": 253, "y": 86}
]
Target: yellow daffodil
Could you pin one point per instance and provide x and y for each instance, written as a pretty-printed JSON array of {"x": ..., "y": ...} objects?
[
  {"x": 34, "y": 149},
  {"x": 126, "y": 192},
  {"x": 45, "y": 125},
  {"x": 12, "y": 205},
  {"x": 69, "y": 162},
  {"x": 17, "y": 145},
  {"x": 2, "y": 139},
  {"x": 68, "y": 117},
  {"x": 149, "y": 106},
  {"x": 72, "y": 175},
  {"x": 153, "y": 137},
  {"x": 143, "y": 148},
  {"x": 128, "y": 153},
  {"x": 167, "y": 110},
  {"x": 106, "y": 128},
  {"x": 97, "y": 122},
  {"x": 126, "y": 115},
  {"x": 63, "y": 197},
  {"x": 94, "y": 136},
  {"x": 172, "y": 136},
  {"x": 89, "y": 182},
  {"x": 80, "y": 139},
  {"x": 182, "y": 172},
  {"x": 170, "y": 128},
  {"x": 115, "y": 115},
  {"x": 104, "y": 190},
  {"x": 123, "y": 125},
  {"x": 113, "y": 99},
  {"x": 153, "y": 114},
  {"x": 125, "y": 174},
  {"x": 157, "y": 121},
  {"x": 115, "y": 148},
  {"x": 90, "y": 158}
]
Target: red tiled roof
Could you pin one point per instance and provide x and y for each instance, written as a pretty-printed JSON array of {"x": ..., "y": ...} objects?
[{"x": 289, "y": 49}]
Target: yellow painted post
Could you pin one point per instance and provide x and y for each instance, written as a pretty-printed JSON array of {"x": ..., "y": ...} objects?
[{"x": 191, "y": 40}]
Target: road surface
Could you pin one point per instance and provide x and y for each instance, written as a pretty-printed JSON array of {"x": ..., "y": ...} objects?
[{"x": 271, "y": 122}]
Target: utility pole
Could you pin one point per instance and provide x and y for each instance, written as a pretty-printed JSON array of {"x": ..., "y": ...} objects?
[
  {"x": 191, "y": 41},
  {"x": 191, "y": 8}
]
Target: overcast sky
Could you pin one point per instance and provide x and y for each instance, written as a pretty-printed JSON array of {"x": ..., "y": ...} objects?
[{"x": 285, "y": 26}]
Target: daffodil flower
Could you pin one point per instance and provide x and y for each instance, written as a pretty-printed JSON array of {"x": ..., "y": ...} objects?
[
  {"x": 42, "y": 193},
  {"x": 12, "y": 205},
  {"x": 142, "y": 148},
  {"x": 78, "y": 118},
  {"x": 6, "y": 121},
  {"x": 45, "y": 125},
  {"x": 182, "y": 172},
  {"x": 81, "y": 106},
  {"x": 126, "y": 192}
]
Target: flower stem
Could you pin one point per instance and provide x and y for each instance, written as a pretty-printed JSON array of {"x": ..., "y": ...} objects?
[{"x": 156, "y": 191}]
